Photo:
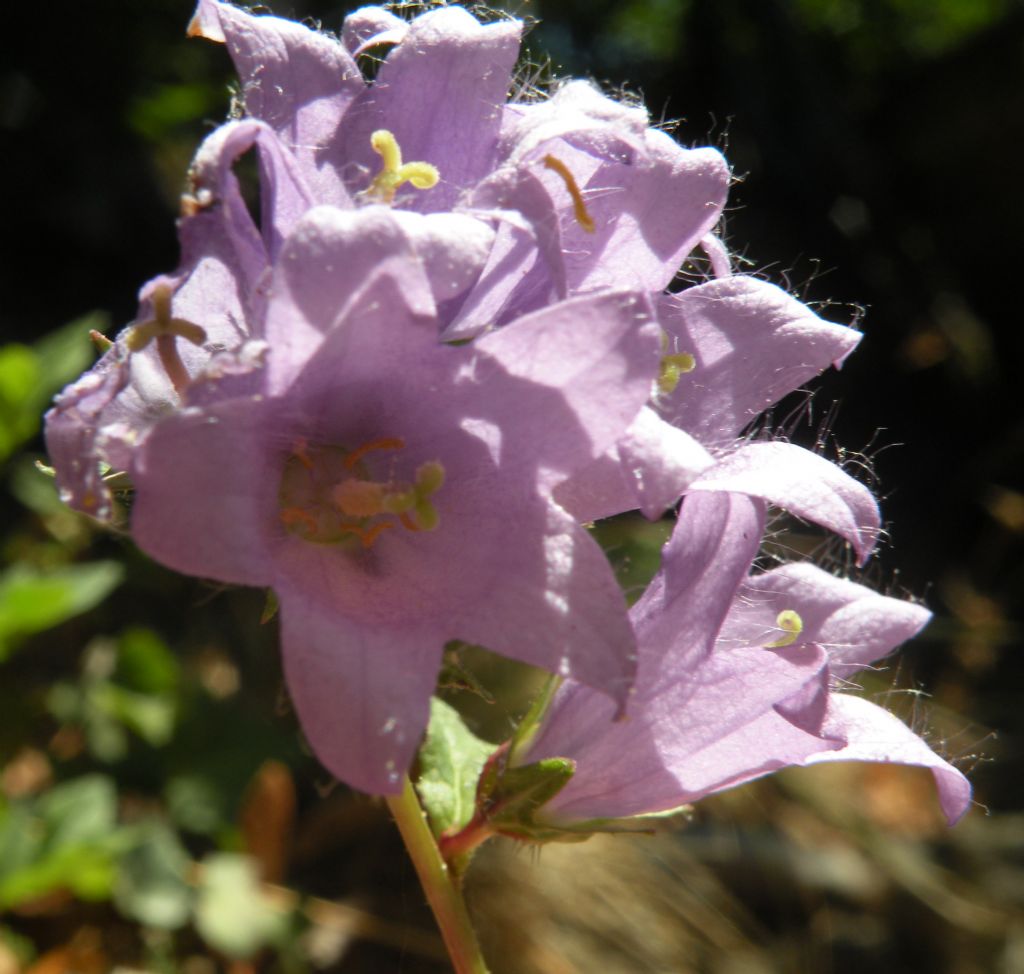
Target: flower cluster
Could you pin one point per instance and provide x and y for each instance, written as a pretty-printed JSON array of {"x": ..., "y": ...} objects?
[{"x": 447, "y": 344}]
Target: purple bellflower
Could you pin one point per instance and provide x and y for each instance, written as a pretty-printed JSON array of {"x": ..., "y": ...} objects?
[
  {"x": 282, "y": 429},
  {"x": 395, "y": 491},
  {"x": 738, "y": 676}
]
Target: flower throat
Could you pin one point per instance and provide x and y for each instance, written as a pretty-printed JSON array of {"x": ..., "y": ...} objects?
[{"x": 328, "y": 494}]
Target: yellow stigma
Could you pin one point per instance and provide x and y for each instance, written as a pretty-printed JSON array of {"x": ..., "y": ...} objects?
[
  {"x": 579, "y": 207},
  {"x": 672, "y": 367},
  {"x": 165, "y": 329},
  {"x": 163, "y": 324},
  {"x": 789, "y": 621},
  {"x": 394, "y": 173}
]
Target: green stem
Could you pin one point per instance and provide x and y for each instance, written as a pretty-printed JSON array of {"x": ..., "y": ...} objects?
[{"x": 443, "y": 894}]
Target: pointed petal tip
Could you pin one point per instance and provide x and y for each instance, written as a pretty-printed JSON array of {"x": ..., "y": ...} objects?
[{"x": 205, "y": 23}]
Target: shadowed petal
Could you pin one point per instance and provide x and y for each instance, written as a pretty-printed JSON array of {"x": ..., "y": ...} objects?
[
  {"x": 873, "y": 734},
  {"x": 598, "y": 353},
  {"x": 854, "y": 624},
  {"x": 649, "y": 212},
  {"x": 324, "y": 267},
  {"x": 206, "y": 493},
  {"x": 802, "y": 483},
  {"x": 753, "y": 344},
  {"x": 298, "y": 81},
  {"x": 369, "y": 26},
  {"x": 556, "y": 605},
  {"x": 667, "y": 755},
  {"x": 362, "y": 693}
]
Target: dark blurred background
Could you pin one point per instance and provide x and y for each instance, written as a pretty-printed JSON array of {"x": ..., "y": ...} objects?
[{"x": 876, "y": 145}]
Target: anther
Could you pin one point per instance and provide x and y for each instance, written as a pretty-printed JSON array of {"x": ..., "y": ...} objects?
[
  {"x": 791, "y": 624},
  {"x": 384, "y": 443},
  {"x": 394, "y": 173},
  {"x": 100, "y": 341},
  {"x": 579, "y": 207},
  {"x": 291, "y": 516}
]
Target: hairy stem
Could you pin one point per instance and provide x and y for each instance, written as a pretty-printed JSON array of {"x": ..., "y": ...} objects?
[{"x": 443, "y": 893}]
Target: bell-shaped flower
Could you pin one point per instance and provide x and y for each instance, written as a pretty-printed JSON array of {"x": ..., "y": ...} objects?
[
  {"x": 395, "y": 491},
  {"x": 738, "y": 676}
]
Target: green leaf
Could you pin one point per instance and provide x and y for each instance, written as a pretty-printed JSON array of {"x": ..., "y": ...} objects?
[
  {"x": 29, "y": 376},
  {"x": 232, "y": 913},
  {"x": 450, "y": 763},
  {"x": 151, "y": 883},
  {"x": 66, "y": 839},
  {"x": 32, "y": 601},
  {"x": 19, "y": 379},
  {"x": 197, "y": 803},
  {"x": 67, "y": 352},
  {"x": 151, "y": 718},
  {"x": 144, "y": 662},
  {"x": 633, "y": 546}
]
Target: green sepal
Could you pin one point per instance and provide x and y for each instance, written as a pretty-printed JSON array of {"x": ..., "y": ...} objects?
[
  {"x": 451, "y": 761},
  {"x": 510, "y": 802},
  {"x": 509, "y": 798},
  {"x": 644, "y": 824}
]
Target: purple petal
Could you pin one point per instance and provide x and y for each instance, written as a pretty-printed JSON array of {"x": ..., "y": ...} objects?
[
  {"x": 576, "y": 111},
  {"x": 753, "y": 344},
  {"x": 453, "y": 247},
  {"x": 369, "y": 26},
  {"x": 362, "y": 693},
  {"x": 873, "y": 734},
  {"x": 854, "y": 624},
  {"x": 676, "y": 620},
  {"x": 298, "y": 81},
  {"x": 802, "y": 483},
  {"x": 649, "y": 468},
  {"x": 597, "y": 354},
  {"x": 285, "y": 196},
  {"x": 206, "y": 493},
  {"x": 324, "y": 266},
  {"x": 557, "y": 605},
  {"x": 768, "y": 742},
  {"x": 650, "y": 212},
  {"x": 667, "y": 754},
  {"x": 503, "y": 560},
  {"x": 661, "y": 460},
  {"x": 72, "y": 426},
  {"x": 440, "y": 93},
  {"x": 509, "y": 277},
  {"x": 709, "y": 554},
  {"x": 524, "y": 270}
]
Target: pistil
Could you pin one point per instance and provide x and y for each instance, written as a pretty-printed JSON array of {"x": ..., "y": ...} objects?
[
  {"x": 791, "y": 624},
  {"x": 166, "y": 329},
  {"x": 579, "y": 206},
  {"x": 394, "y": 173},
  {"x": 328, "y": 494}
]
